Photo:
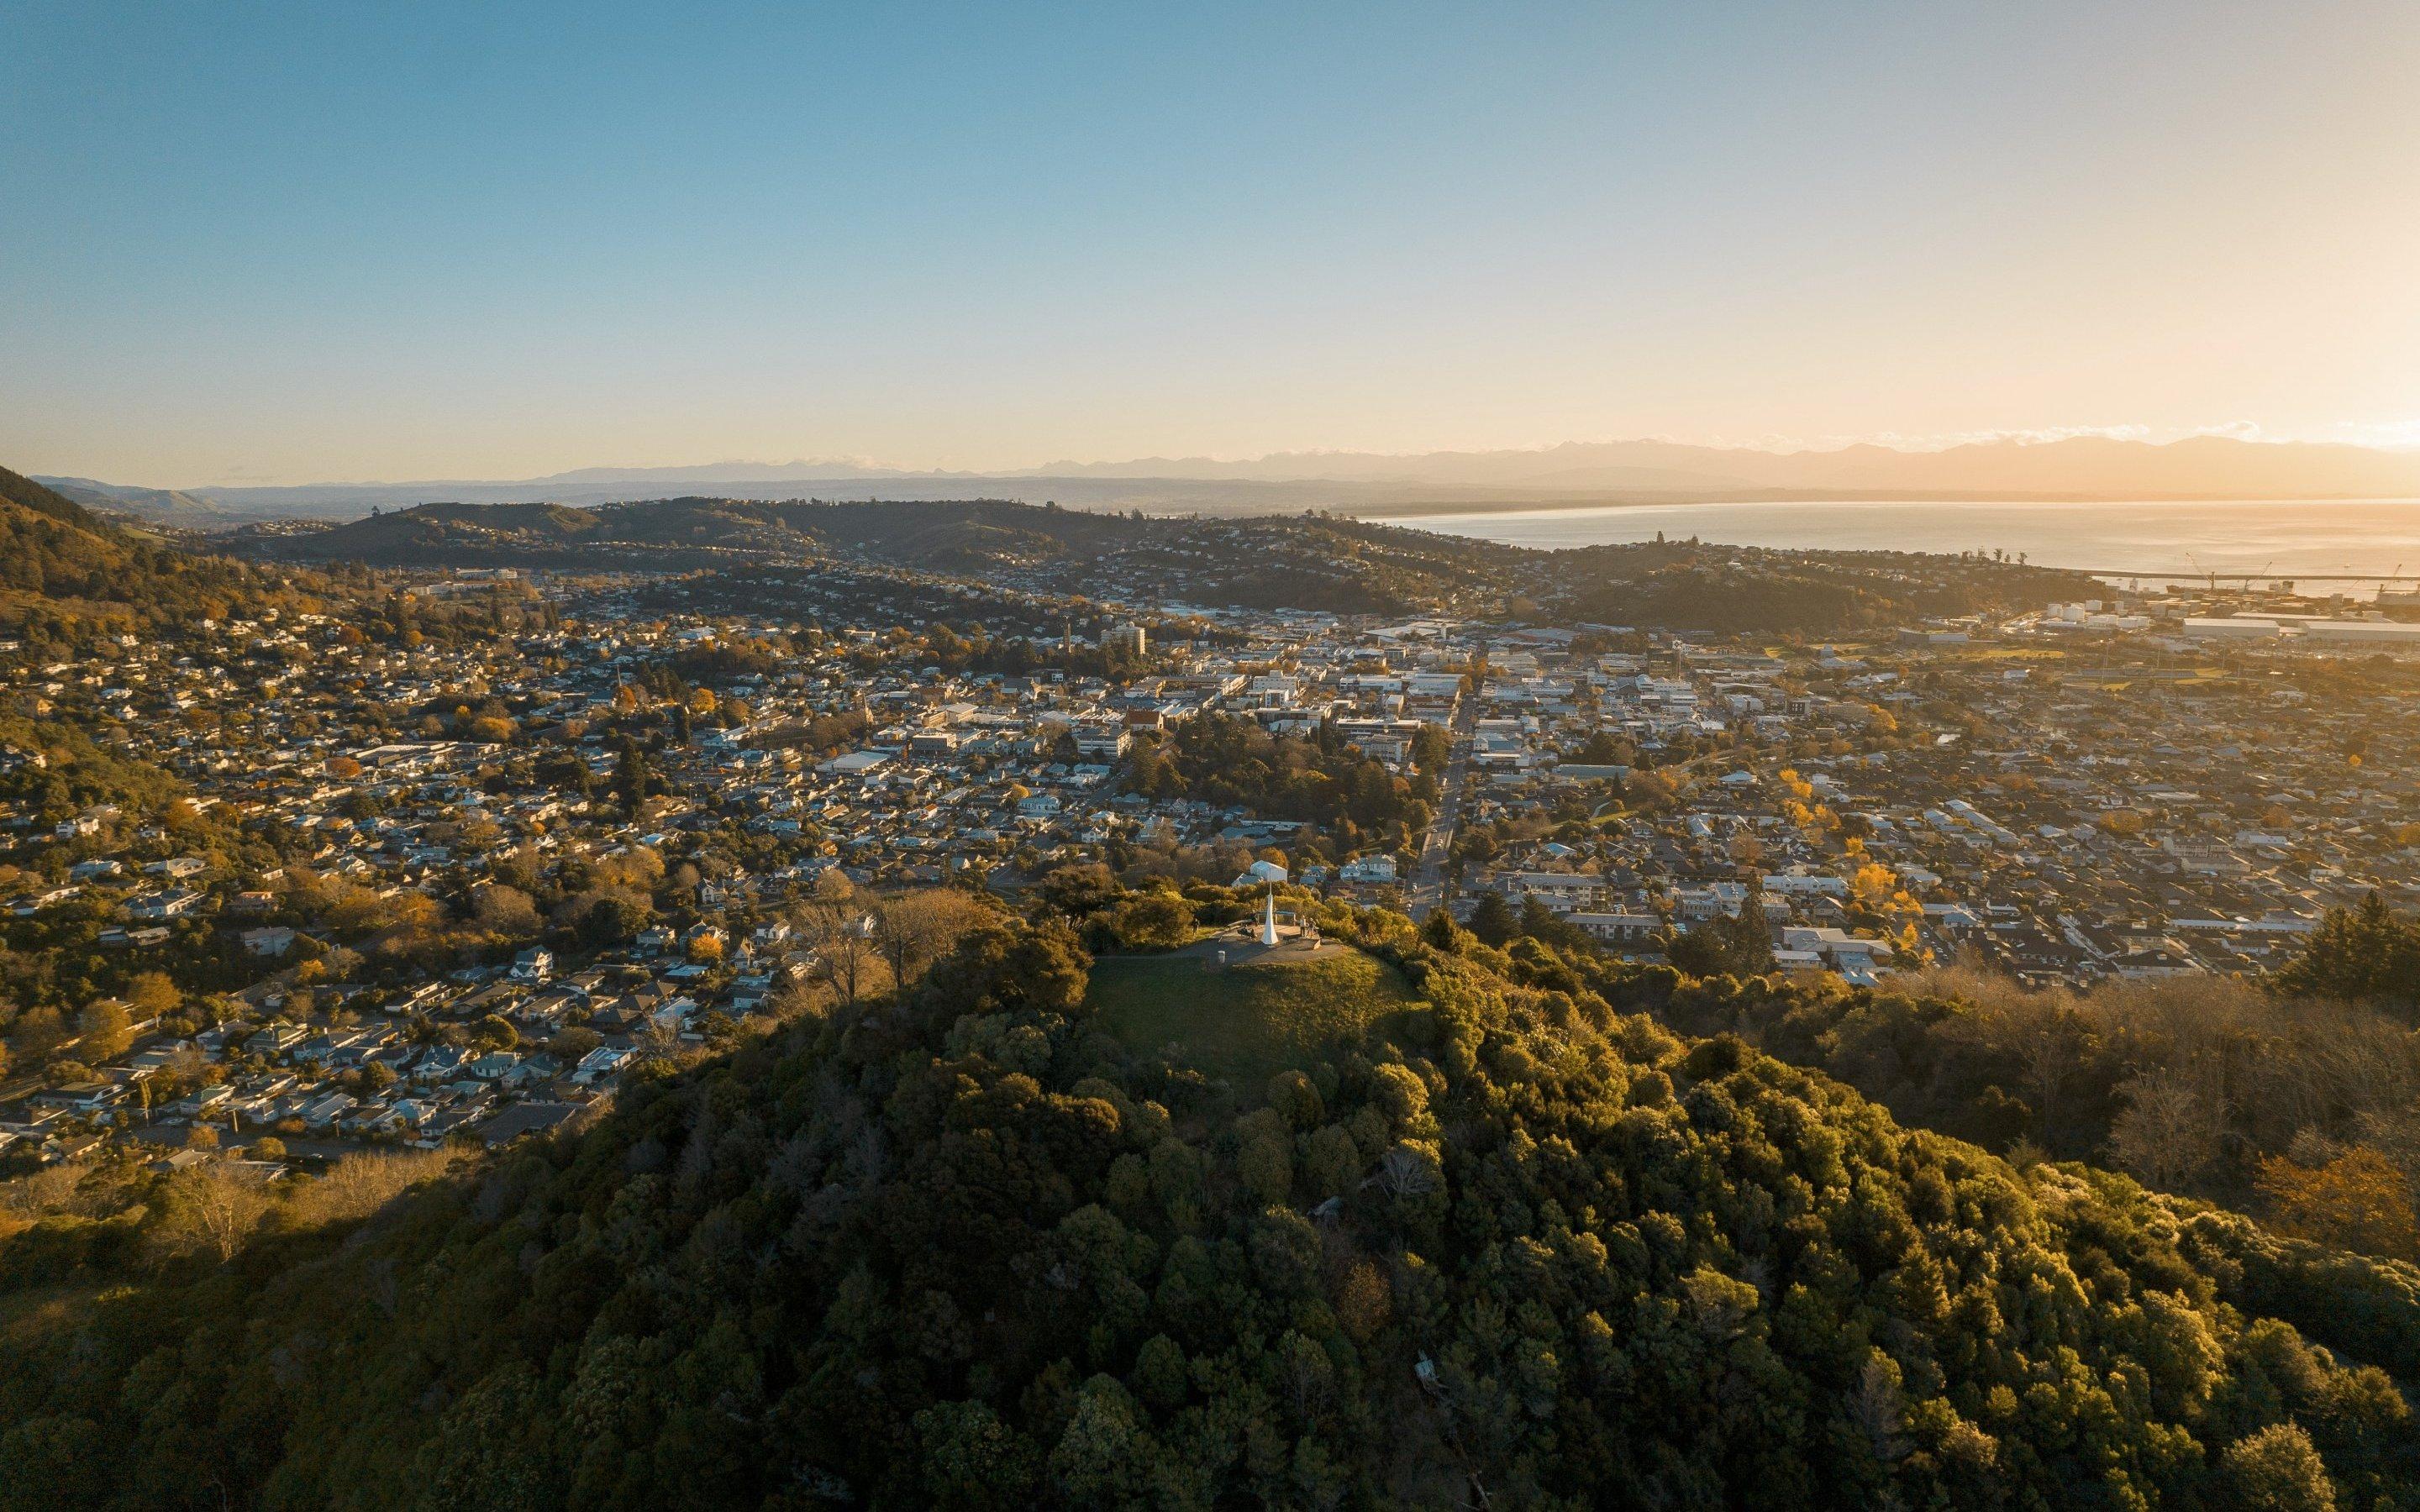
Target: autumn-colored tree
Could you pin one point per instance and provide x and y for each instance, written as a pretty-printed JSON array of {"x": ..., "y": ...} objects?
[
  {"x": 154, "y": 993},
  {"x": 1364, "y": 1301},
  {"x": 912, "y": 929},
  {"x": 104, "y": 1031},
  {"x": 2357, "y": 1200}
]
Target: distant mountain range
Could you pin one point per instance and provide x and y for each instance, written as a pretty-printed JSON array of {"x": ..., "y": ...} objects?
[{"x": 2208, "y": 467}]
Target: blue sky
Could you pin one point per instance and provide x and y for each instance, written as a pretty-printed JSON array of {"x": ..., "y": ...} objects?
[{"x": 290, "y": 243}]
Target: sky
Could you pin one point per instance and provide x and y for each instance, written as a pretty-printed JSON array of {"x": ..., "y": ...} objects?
[{"x": 263, "y": 244}]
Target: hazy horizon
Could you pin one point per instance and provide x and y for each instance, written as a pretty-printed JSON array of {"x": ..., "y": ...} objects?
[{"x": 845, "y": 466}]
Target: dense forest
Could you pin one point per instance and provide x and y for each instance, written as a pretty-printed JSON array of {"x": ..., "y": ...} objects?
[{"x": 959, "y": 1246}]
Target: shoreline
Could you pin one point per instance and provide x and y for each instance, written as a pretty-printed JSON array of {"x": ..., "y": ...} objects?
[{"x": 1416, "y": 509}]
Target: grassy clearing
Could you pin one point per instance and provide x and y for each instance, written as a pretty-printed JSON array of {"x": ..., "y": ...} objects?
[{"x": 1249, "y": 1022}]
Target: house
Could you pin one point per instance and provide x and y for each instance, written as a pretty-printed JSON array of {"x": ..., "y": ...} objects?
[
  {"x": 600, "y": 1063},
  {"x": 83, "y": 1098},
  {"x": 274, "y": 941},
  {"x": 1715, "y": 899},
  {"x": 404, "y": 1113},
  {"x": 524, "y": 1118},
  {"x": 1561, "y": 891},
  {"x": 174, "y": 902},
  {"x": 276, "y": 1039},
  {"x": 441, "y": 1062},
  {"x": 323, "y": 1112},
  {"x": 1853, "y": 956},
  {"x": 27, "y": 906},
  {"x": 536, "y": 964},
  {"x": 1617, "y": 928}
]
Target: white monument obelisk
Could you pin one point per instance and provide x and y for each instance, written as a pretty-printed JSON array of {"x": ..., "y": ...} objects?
[{"x": 1269, "y": 917}]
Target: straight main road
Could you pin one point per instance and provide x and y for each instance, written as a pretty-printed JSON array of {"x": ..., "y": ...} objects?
[{"x": 1427, "y": 879}]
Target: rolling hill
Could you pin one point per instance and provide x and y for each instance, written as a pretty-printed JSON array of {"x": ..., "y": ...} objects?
[
  {"x": 1316, "y": 563},
  {"x": 59, "y": 554},
  {"x": 1270, "y": 562},
  {"x": 963, "y": 1250}
]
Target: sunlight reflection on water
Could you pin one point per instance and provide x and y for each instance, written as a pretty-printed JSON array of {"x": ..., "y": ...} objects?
[{"x": 2274, "y": 538}]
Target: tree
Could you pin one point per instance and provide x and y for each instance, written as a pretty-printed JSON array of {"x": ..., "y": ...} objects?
[
  {"x": 213, "y": 1209},
  {"x": 506, "y": 911},
  {"x": 2357, "y": 1200},
  {"x": 633, "y": 779},
  {"x": 2277, "y": 1470},
  {"x": 1724, "y": 945},
  {"x": 2356, "y": 954},
  {"x": 572, "y": 1045},
  {"x": 911, "y": 930},
  {"x": 971, "y": 1459},
  {"x": 104, "y": 1031},
  {"x": 154, "y": 995},
  {"x": 2168, "y": 1132},
  {"x": 614, "y": 919},
  {"x": 1441, "y": 932},
  {"x": 1158, "y": 920},
  {"x": 837, "y": 926},
  {"x": 1492, "y": 920}
]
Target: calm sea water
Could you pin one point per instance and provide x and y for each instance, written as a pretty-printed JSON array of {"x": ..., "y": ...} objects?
[{"x": 2369, "y": 539}]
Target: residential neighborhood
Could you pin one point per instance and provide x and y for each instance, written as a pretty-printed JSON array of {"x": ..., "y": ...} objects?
[{"x": 338, "y": 924}]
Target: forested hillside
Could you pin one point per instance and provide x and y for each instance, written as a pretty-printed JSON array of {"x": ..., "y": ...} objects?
[
  {"x": 963, "y": 1247},
  {"x": 53, "y": 549}
]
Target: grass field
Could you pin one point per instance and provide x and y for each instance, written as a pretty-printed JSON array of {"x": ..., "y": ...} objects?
[{"x": 1247, "y": 1022}]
